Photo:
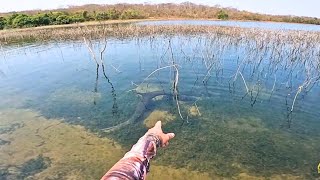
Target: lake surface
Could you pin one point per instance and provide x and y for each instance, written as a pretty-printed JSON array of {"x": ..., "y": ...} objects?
[
  {"x": 244, "y": 24},
  {"x": 232, "y": 125}
]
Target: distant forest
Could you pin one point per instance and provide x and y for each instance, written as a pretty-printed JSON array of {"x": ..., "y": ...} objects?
[{"x": 93, "y": 12}]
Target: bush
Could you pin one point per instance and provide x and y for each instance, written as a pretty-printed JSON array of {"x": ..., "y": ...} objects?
[
  {"x": 76, "y": 18},
  {"x": 2, "y": 23},
  {"x": 102, "y": 16},
  {"x": 85, "y": 15},
  {"x": 131, "y": 14},
  {"x": 113, "y": 14},
  {"x": 222, "y": 15},
  {"x": 63, "y": 19},
  {"x": 109, "y": 14},
  {"x": 40, "y": 20},
  {"x": 22, "y": 20},
  {"x": 54, "y": 17},
  {"x": 9, "y": 20}
]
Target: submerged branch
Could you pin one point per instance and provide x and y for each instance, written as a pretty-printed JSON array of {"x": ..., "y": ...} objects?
[
  {"x": 295, "y": 98},
  {"x": 244, "y": 81}
]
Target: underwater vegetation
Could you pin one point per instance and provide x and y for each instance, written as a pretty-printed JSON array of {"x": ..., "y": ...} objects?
[
  {"x": 79, "y": 155},
  {"x": 48, "y": 148},
  {"x": 34, "y": 166}
]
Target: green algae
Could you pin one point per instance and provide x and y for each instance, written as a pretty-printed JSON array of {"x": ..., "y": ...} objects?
[{"x": 34, "y": 166}]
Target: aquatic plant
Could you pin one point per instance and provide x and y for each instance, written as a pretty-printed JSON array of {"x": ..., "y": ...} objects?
[{"x": 34, "y": 166}]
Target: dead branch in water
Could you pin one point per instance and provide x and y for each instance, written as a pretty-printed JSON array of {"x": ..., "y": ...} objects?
[
  {"x": 176, "y": 91},
  {"x": 176, "y": 77},
  {"x": 175, "y": 84},
  {"x": 244, "y": 81},
  {"x": 89, "y": 45}
]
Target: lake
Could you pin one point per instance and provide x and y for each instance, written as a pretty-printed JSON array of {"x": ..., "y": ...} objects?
[{"x": 242, "y": 108}]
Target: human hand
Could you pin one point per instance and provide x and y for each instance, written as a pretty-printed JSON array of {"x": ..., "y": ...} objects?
[{"x": 164, "y": 138}]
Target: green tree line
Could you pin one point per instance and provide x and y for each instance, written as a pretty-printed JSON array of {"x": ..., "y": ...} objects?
[{"x": 22, "y": 20}]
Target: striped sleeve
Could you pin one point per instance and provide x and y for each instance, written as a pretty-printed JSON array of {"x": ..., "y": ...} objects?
[{"x": 135, "y": 164}]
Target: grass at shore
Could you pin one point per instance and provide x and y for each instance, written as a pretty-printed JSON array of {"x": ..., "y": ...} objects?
[{"x": 101, "y": 30}]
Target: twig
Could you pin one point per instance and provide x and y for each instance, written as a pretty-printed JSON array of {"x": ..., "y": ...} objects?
[
  {"x": 118, "y": 71},
  {"x": 176, "y": 91},
  {"x": 157, "y": 71},
  {"x": 295, "y": 97},
  {"x": 244, "y": 81},
  {"x": 90, "y": 50},
  {"x": 195, "y": 104},
  {"x": 273, "y": 87}
]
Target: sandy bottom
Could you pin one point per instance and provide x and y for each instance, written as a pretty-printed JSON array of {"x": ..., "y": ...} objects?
[{"x": 74, "y": 152}]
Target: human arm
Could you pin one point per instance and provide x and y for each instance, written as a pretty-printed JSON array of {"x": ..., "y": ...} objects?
[{"x": 135, "y": 163}]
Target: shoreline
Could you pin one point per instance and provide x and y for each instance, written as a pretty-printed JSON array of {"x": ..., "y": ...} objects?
[
  {"x": 94, "y": 30},
  {"x": 108, "y": 22},
  {"x": 88, "y": 23}
]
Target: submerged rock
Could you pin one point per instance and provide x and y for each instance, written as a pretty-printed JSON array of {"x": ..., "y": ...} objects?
[
  {"x": 194, "y": 111},
  {"x": 4, "y": 142},
  {"x": 157, "y": 115},
  {"x": 146, "y": 87}
]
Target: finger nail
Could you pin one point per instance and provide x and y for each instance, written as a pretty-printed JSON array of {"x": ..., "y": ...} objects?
[{"x": 171, "y": 135}]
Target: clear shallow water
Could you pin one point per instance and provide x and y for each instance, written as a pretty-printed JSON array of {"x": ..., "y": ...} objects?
[
  {"x": 244, "y": 24},
  {"x": 235, "y": 133}
]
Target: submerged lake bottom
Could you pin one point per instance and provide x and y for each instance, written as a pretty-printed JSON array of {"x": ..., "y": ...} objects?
[{"x": 236, "y": 114}]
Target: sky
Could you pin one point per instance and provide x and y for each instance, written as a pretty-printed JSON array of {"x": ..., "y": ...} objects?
[{"x": 277, "y": 7}]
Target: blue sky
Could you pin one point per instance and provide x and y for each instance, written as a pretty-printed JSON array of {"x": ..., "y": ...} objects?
[{"x": 282, "y": 7}]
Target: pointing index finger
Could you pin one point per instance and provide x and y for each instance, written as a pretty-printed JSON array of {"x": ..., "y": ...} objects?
[{"x": 158, "y": 125}]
